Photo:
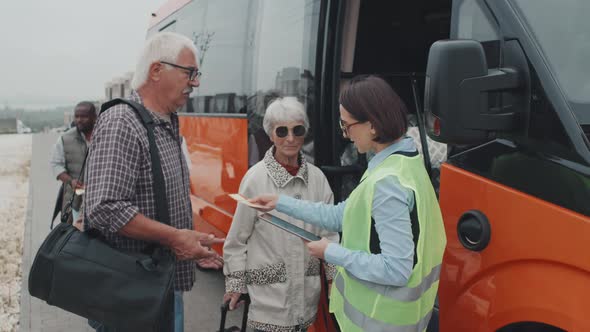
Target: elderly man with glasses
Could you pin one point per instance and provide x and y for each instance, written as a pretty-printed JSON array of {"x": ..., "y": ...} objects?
[
  {"x": 120, "y": 199},
  {"x": 271, "y": 265}
]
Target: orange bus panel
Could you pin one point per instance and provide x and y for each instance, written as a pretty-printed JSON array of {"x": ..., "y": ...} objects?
[
  {"x": 535, "y": 245},
  {"x": 218, "y": 151}
]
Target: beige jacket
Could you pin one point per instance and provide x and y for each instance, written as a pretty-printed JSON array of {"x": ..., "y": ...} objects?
[{"x": 273, "y": 266}]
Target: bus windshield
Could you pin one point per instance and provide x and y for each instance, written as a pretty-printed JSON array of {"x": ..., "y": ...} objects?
[{"x": 562, "y": 30}]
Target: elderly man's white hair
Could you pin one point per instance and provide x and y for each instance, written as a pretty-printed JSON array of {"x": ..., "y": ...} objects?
[
  {"x": 285, "y": 109},
  {"x": 163, "y": 46}
]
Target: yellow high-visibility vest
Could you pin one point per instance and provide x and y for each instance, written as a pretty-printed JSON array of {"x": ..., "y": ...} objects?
[{"x": 365, "y": 306}]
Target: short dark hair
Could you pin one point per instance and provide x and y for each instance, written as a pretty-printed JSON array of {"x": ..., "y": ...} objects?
[
  {"x": 371, "y": 98},
  {"x": 88, "y": 104}
]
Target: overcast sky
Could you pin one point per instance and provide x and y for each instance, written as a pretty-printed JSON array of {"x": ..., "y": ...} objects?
[{"x": 62, "y": 51}]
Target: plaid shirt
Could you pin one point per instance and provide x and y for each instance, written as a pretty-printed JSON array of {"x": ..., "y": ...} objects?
[{"x": 119, "y": 179}]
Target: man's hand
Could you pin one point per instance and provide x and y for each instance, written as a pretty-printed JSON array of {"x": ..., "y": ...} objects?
[
  {"x": 233, "y": 300},
  {"x": 317, "y": 248},
  {"x": 214, "y": 263},
  {"x": 269, "y": 202},
  {"x": 207, "y": 240},
  {"x": 189, "y": 244},
  {"x": 79, "y": 224}
]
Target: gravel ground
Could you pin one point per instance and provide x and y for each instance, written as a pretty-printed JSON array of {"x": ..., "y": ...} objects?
[{"x": 15, "y": 162}]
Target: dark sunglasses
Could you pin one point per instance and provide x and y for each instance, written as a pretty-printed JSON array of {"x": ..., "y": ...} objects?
[
  {"x": 283, "y": 131},
  {"x": 191, "y": 71}
]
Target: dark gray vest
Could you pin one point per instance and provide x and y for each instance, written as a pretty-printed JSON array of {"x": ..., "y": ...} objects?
[{"x": 74, "y": 153}]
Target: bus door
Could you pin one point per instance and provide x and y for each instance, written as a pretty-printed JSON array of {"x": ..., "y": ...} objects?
[
  {"x": 509, "y": 95},
  {"x": 390, "y": 39}
]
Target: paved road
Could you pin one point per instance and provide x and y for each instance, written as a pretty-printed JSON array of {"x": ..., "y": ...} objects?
[{"x": 201, "y": 304}]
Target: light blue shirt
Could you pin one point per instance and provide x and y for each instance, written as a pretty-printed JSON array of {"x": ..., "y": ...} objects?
[{"x": 392, "y": 204}]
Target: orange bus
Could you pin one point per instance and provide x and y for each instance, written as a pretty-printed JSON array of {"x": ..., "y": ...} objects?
[
  {"x": 512, "y": 101},
  {"x": 504, "y": 90}
]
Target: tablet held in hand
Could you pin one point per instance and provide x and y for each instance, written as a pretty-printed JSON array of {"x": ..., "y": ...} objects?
[{"x": 287, "y": 226}]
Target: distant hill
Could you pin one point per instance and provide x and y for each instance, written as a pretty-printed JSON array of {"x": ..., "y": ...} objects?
[{"x": 37, "y": 120}]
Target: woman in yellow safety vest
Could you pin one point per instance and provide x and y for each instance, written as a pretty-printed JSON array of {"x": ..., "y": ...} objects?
[{"x": 392, "y": 231}]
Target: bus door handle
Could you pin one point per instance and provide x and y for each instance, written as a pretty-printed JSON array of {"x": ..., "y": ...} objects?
[{"x": 474, "y": 230}]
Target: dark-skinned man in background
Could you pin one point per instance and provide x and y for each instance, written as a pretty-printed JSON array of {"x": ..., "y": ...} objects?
[{"x": 68, "y": 155}]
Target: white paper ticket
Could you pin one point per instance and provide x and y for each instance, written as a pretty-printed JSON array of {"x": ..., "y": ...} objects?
[
  {"x": 242, "y": 199},
  {"x": 79, "y": 191}
]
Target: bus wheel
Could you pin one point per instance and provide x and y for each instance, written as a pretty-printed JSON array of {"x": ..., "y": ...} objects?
[{"x": 530, "y": 327}]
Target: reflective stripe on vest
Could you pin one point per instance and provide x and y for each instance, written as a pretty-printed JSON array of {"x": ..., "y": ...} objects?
[
  {"x": 369, "y": 324},
  {"x": 403, "y": 294}
]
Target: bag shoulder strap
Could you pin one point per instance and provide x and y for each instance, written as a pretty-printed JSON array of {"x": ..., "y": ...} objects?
[{"x": 162, "y": 213}]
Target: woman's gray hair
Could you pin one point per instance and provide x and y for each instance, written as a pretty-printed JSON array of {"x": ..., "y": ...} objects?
[
  {"x": 163, "y": 46},
  {"x": 284, "y": 109}
]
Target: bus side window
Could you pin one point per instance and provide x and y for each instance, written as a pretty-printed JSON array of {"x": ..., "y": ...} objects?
[
  {"x": 471, "y": 21},
  {"x": 220, "y": 30},
  {"x": 283, "y": 57}
]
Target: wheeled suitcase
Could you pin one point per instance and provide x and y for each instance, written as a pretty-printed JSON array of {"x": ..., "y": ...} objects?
[{"x": 225, "y": 309}]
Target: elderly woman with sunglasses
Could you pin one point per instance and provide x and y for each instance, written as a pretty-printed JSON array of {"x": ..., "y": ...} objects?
[
  {"x": 274, "y": 267},
  {"x": 393, "y": 236}
]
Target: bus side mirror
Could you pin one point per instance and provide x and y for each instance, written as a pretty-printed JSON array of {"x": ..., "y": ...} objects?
[{"x": 458, "y": 84}]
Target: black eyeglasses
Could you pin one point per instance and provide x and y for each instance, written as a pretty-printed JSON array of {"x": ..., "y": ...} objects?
[
  {"x": 283, "y": 131},
  {"x": 346, "y": 127},
  {"x": 191, "y": 71}
]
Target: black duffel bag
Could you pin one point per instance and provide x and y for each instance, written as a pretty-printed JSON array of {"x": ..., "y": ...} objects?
[{"x": 81, "y": 273}]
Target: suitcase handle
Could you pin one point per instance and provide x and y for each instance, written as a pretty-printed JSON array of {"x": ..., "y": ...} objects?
[{"x": 225, "y": 308}]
